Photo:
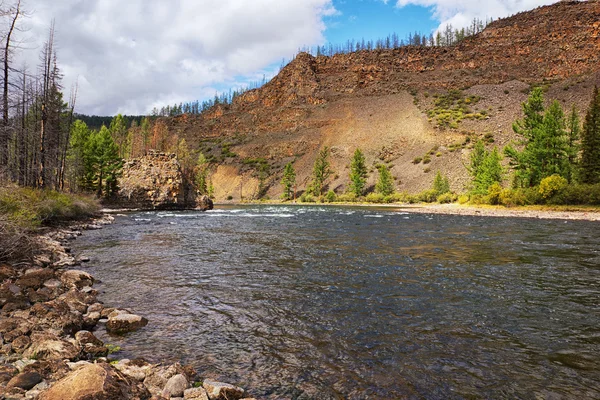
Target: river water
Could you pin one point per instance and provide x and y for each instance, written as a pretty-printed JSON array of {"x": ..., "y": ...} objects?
[{"x": 359, "y": 303}]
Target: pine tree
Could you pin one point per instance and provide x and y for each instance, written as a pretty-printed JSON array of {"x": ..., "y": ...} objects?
[
  {"x": 321, "y": 172},
  {"x": 118, "y": 130},
  {"x": 385, "y": 183},
  {"x": 358, "y": 173},
  {"x": 288, "y": 181},
  {"x": 574, "y": 133},
  {"x": 589, "y": 166},
  {"x": 102, "y": 163},
  {"x": 80, "y": 134},
  {"x": 486, "y": 168},
  {"x": 441, "y": 185},
  {"x": 545, "y": 140},
  {"x": 202, "y": 174}
]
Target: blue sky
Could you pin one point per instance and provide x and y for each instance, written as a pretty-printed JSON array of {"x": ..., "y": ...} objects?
[{"x": 374, "y": 19}]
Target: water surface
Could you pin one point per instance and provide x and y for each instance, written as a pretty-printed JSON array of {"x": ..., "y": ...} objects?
[{"x": 360, "y": 303}]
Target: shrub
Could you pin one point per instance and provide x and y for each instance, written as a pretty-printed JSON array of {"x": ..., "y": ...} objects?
[
  {"x": 307, "y": 198},
  {"x": 417, "y": 160},
  {"x": 330, "y": 197},
  {"x": 552, "y": 185},
  {"x": 427, "y": 159},
  {"x": 347, "y": 197},
  {"x": 230, "y": 197},
  {"x": 427, "y": 196},
  {"x": 375, "y": 198},
  {"x": 447, "y": 198},
  {"x": 494, "y": 192},
  {"x": 463, "y": 199}
]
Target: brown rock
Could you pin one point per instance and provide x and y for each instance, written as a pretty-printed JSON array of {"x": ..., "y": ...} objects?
[
  {"x": 48, "y": 369},
  {"x": 195, "y": 394},
  {"x": 7, "y": 272},
  {"x": 123, "y": 323},
  {"x": 21, "y": 343},
  {"x": 45, "y": 346},
  {"x": 7, "y": 372},
  {"x": 91, "y": 345},
  {"x": 35, "y": 278},
  {"x": 75, "y": 278},
  {"x": 93, "y": 382},
  {"x": 25, "y": 380},
  {"x": 222, "y": 391}
]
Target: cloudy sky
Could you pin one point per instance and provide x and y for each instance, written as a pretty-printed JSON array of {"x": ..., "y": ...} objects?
[{"x": 130, "y": 56}]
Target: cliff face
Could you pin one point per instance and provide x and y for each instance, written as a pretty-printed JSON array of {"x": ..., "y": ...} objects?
[
  {"x": 362, "y": 99},
  {"x": 155, "y": 182}
]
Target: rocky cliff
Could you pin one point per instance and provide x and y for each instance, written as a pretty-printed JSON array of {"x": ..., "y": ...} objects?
[
  {"x": 379, "y": 100},
  {"x": 155, "y": 181}
]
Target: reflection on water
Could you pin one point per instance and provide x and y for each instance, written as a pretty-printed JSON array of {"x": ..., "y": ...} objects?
[{"x": 331, "y": 303}]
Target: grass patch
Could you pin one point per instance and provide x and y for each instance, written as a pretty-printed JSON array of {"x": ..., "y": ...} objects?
[{"x": 452, "y": 108}]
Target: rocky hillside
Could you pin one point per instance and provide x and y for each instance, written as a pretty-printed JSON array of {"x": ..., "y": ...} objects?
[{"x": 398, "y": 105}]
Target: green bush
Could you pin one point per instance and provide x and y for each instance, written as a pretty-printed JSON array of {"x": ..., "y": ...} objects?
[
  {"x": 494, "y": 192},
  {"x": 417, "y": 160},
  {"x": 330, "y": 197},
  {"x": 447, "y": 198},
  {"x": 427, "y": 196},
  {"x": 347, "y": 197},
  {"x": 307, "y": 198},
  {"x": 463, "y": 199},
  {"x": 375, "y": 198},
  {"x": 427, "y": 159},
  {"x": 577, "y": 195},
  {"x": 552, "y": 185}
]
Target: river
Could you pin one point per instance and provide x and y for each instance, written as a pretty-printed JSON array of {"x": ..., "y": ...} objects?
[{"x": 359, "y": 303}]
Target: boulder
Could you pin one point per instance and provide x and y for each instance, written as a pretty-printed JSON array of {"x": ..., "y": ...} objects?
[
  {"x": 21, "y": 343},
  {"x": 35, "y": 278},
  {"x": 222, "y": 391},
  {"x": 123, "y": 323},
  {"x": 175, "y": 386},
  {"x": 48, "y": 369},
  {"x": 133, "y": 370},
  {"x": 195, "y": 394},
  {"x": 204, "y": 203},
  {"x": 91, "y": 345},
  {"x": 7, "y": 372},
  {"x": 93, "y": 381},
  {"x": 25, "y": 380},
  {"x": 45, "y": 346},
  {"x": 157, "y": 378},
  {"x": 75, "y": 278}
]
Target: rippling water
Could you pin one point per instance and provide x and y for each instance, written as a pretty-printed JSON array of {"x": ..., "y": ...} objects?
[{"x": 332, "y": 303}]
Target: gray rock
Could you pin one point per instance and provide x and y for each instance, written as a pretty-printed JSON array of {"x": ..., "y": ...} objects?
[
  {"x": 175, "y": 386},
  {"x": 21, "y": 364},
  {"x": 222, "y": 391}
]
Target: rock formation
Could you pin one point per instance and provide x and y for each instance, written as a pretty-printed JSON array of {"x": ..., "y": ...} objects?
[{"x": 154, "y": 182}]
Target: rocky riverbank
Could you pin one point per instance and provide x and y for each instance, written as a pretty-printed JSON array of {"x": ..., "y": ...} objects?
[{"x": 48, "y": 348}]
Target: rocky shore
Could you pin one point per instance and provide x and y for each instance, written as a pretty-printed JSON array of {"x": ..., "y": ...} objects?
[{"x": 49, "y": 312}]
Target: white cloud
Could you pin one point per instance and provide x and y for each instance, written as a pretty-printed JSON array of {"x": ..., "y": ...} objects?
[
  {"x": 460, "y": 12},
  {"x": 131, "y": 55}
]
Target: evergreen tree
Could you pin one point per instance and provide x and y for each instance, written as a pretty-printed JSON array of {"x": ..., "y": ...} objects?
[
  {"x": 102, "y": 162},
  {"x": 358, "y": 173},
  {"x": 385, "y": 183},
  {"x": 118, "y": 130},
  {"x": 80, "y": 134},
  {"x": 574, "y": 133},
  {"x": 486, "y": 168},
  {"x": 589, "y": 166},
  {"x": 288, "y": 181},
  {"x": 545, "y": 140},
  {"x": 321, "y": 172},
  {"x": 441, "y": 184},
  {"x": 202, "y": 174}
]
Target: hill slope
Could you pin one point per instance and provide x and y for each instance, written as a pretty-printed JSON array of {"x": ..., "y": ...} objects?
[{"x": 396, "y": 104}]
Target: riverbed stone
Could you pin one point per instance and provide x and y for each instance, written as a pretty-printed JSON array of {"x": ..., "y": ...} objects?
[
  {"x": 93, "y": 381},
  {"x": 135, "y": 371},
  {"x": 46, "y": 346},
  {"x": 175, "y": 386},
  {"x": 76, "y": 278},
  {"x": 222, "y": 391},
  {"x": 7, "y": 372},
  {"x": 156, "y": 378},
  {"x": 123, "y": 323},
  {"x": 7, "y": 272},
  {"x": 195, "y": 394},
  {"x": 49, "y": 369},
  {"x": 35, "y": 278},
  {"x": 25, "y": 380},
  {"x": 21, "y": 343}
]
